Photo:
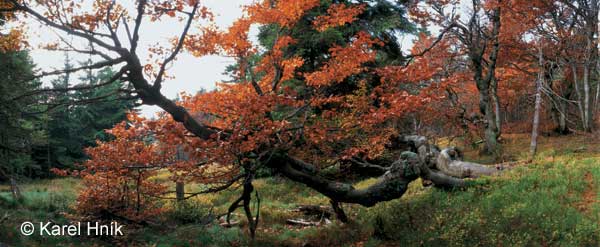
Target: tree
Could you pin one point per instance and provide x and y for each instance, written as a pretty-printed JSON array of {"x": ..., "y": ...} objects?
[
  {"x": 538, "y": 104},
  {"x": 116, "y": 178},
  {"x": 479, "y": 37},
  {"x": 19, "y": 130},
  {"x": 71, "y": 122},
  {"x": 337, "y": 109}
]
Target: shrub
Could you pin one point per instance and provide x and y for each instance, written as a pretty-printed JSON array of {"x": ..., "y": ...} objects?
[{"x": 189, "y": 212}]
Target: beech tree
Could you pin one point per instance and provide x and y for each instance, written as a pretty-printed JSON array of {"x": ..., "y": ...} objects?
[
  {"x": 479, "y": 36},
  {"x": 295, "y": 122}
]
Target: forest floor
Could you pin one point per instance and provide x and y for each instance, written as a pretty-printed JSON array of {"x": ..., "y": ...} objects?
[{"x": 552, "y": 201}]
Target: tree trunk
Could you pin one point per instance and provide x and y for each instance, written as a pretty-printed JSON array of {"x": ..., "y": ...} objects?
[
  {"x": 591, "y": 27},
  {"x": 14, "y": 188},
  {"x": 450, "y": 164},
  {"x": 497, "y": 112},
  {"x": 578, "y": 93},
  {"x": 586, "y": 99},
  {"x": 490, "y": 130},
  {"x": 180, "y": 191},
  {"x": 486, "y": 81},
  {"x": 443, "y": 168},
  {"x": 562, "y": 120},
  {"x": 538, "y": 106},
  {"x": 596, "y": 104},
  {"x": 597, "y": 98}
]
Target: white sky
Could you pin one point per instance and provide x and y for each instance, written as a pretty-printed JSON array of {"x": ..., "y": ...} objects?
[{"x": 192, "y": 73}]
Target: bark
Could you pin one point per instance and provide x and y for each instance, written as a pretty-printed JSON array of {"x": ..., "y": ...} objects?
[
  {"x": 558, "y": 109},
  {"x": 538, "y": 106},
  {"x": 484, "y": 81},
  {"x": 497, "y": 112},
  {"x": 490, "y": 132},
  {"x": 14, "y": 188},
  {"x": 591, "y": 26},
  {"x": 562, "y": 121},
  {"x": 389, "y": 186},
  {"x": 454, "y": 167},
  {"x": 180, "y": 191},
  {"x": 339, "y": 211},
  {"x": 597, "y": 99},
  {"x": 578, "y": 93},
  {"x": 586, "y": 99},
  {"x": 316, "y": 210},
  {"x": 245, "y": 199},
  {"x": 443, "y": 168},
  {"x": 448, "y": 161}
]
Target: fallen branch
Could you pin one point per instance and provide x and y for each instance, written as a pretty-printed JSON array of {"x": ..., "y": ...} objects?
[
  {"x": 225, "y": 220},
  {"x": 317, "y": 210},
  {"x": 301, "y": 222}
]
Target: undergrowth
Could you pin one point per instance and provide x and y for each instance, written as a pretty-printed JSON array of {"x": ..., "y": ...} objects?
[{"x": 549, "y": 202}]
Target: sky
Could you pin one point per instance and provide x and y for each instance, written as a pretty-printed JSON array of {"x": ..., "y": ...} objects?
[{"x": 191, "y": 73}]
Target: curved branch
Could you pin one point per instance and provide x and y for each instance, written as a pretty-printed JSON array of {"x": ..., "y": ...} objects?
[
  {"x": 389, "y": 186},
  {"x": 448, "y": 163},
  {"x": 161, "y": 72},
  {"x": 138, "y": 22},
  {"x": 443, "y": 168},
  {"x": 64, "y": 28},
  {"x": 367, "y": 165},
  {"x": 113, "y": 33}
]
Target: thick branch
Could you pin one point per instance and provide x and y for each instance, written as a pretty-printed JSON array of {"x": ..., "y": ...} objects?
[
  {"x": 448, "y": 163},
  {"x": 138, "y": 22},
  {"x": 390, "y": 186},
  {"x": 64, "y": 28},
  {"x": 443, "y": 168}
]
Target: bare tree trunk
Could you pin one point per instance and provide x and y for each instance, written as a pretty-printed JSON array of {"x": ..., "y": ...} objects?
[
  {"x": 578, "y": 93},
  {"x": 484, "y": 82},
  {"x": 496, "y": 101},
  {"x": 586, "y": 98},
  {"x": 562, "y": 120},
  {"x": 591, "y": 26},
  {"x": 596, "y": 105},
  {"x": 538, "y": 106},
  {"x": 597, "y": 98},
  {"x": 491, "y": 131},
  {"x": 180, "y": 191},
  {"x": 14, "y": 188}
]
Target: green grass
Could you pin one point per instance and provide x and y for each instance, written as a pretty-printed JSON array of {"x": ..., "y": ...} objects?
[
  {"x": 550, "y": 202},
  {"x": 43, "y": 201},
  {"x": 536, "y": 205}
]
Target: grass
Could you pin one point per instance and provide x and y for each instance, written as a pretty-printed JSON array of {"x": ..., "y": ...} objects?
[
  {"x": 550, "y": 202},
  {"x": 534, "y": 205}
]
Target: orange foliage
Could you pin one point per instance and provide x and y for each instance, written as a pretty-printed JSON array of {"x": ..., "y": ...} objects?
[
  {"x": 338, "y": 15},
  {"x": 13, "y": 41},
  {"x": 285, "y": 13},
  {"x": 344, "y": 62},
  {"x": 116, "y": 178}
]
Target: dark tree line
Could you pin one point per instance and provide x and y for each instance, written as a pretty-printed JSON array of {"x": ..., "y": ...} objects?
[{"x": 39, "y": 132}]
